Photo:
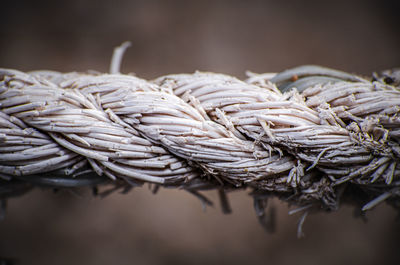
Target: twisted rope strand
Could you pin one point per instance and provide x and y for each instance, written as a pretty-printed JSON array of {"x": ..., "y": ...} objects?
[{"x": 206, "y": 130}]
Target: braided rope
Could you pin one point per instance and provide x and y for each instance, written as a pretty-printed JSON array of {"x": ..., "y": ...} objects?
[{"x": 328, "y": 135}]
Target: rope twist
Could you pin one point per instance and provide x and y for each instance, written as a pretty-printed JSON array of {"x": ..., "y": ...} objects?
[{"x": 306, "y": 134}]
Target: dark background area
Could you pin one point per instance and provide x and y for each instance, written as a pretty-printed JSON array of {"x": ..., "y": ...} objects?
[{"x": 183, "y": 36}]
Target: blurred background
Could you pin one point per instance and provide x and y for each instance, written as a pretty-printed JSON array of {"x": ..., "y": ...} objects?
[{"x": 231, "y": 37}]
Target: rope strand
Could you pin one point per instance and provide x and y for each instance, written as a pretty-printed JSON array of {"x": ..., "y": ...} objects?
[{"x": 312, "y": 147}]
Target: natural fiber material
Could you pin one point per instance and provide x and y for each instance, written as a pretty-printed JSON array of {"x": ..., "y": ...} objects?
[{"x": 329, "y": 136}]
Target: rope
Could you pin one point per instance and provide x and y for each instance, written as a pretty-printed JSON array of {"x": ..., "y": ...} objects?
[{"x": 328, "y": 137}]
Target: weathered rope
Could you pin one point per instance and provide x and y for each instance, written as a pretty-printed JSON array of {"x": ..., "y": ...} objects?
[{"x": 329, "y": 136}]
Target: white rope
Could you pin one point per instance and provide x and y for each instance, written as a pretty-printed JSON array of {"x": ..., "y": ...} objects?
[{"x": 183, "y": 127}]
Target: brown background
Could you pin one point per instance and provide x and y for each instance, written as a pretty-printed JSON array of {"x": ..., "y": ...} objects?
[{"x": 184, "y": 36}]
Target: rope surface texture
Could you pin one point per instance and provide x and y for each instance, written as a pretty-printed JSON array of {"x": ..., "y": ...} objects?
[{"x": 310, "y": 135}]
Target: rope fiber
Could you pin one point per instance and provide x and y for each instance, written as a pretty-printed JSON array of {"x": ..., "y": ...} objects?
[{"x": 312, "y": 136}]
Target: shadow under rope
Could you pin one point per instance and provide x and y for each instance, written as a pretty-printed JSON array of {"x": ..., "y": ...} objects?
[{"x": 8, "y": 261}]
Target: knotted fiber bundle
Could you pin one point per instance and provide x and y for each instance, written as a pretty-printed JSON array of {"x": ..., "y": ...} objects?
[{"x": 328, "y": 137}]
